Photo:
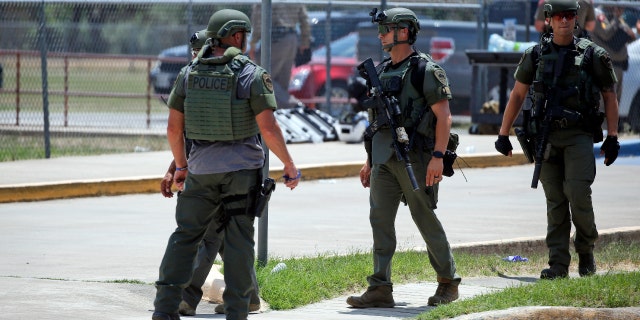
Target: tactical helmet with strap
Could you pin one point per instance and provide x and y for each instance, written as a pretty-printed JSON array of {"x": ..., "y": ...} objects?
[
  {"x": 403, "y": 18},
  {"x": 198, "y": 39},
  {"x": 552, "y": 7},
  {"x": 227, "y": 22}
]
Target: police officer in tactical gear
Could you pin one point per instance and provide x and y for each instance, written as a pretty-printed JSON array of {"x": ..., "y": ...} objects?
[
  {"x": 585, "y": 21},
  {"x": 426, "y": 117},
  {"x": 568, "y": 75},
  {"x": 211, "y": 244},
  {"x": 224, "y": 103}
]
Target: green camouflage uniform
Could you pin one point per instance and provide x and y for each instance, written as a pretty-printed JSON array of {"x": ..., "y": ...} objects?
[
  {"x": 390, "y": 182},
  {"x": 570, "y": 170},
  {"x": 224, "y": 169}
]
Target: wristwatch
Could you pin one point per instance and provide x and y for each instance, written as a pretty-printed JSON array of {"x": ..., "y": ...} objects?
[{"x": 437, "y": 154}]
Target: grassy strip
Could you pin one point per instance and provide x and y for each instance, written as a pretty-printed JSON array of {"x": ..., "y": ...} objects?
[
  {"x": 24, "y": 147},
  {"x": 313, "y": 279},
  {"x": 600, "y": 291}
]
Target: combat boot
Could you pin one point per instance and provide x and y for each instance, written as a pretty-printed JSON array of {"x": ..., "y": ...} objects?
[
  {"x": 587, "y": 265},
  {"x": 445, "y": 293},
  {"x": 556, "y": 271},
  {"x": 185, "y": 309},
  {"x": 157, "y": 315},
  {"x": 375, "y": 297},
  {"x": 253, "y": 307}
]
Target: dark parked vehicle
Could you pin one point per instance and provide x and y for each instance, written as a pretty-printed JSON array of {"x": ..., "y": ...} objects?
[
  {"x": 166, "y": 69},
  {"x": 171, "y": 60},
  {"x": 342, "y": 23}
]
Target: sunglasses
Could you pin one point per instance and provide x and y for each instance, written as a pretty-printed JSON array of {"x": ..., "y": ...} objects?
[
  {"x": 569, "y": 15},
  {"x": 386, "y": 28}
]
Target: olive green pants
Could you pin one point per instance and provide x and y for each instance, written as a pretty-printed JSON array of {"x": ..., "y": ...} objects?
[
  {"x": 389, "y": 182},
  {"x": 566, "y": 178},
  {"x": 208, "y": 249},
  {"x": 206, "y": 256},
  {"x": 207, "y": 198}
]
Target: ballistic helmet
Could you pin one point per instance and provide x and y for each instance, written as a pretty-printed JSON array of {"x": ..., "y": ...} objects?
[
  {"x": 198, "y": 39},
  {"x": 403, "y": 17},
  {"x": 552, "y": 7},
  {"x": 224, "y": 22}
]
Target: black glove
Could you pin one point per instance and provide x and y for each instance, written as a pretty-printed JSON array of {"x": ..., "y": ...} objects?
[
  {"x": 610, "y": 147},
  {"x": 503, "y": 145}
]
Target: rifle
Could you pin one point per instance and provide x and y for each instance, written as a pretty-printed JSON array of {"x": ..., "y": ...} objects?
[
  {"x": 388, "y": 112},
  {"x": 551, "y": 109}
]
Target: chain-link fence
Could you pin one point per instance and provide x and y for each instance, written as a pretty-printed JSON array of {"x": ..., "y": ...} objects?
[{"x": 86, "y": 77}]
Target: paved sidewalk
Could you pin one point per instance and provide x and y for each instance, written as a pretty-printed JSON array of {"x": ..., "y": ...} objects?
[
  {"x": 115, "y": 174},
  {"x": 128, "y": 173}
]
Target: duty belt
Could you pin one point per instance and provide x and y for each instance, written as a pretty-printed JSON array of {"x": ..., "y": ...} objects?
[{"x": 569, "y": 118}]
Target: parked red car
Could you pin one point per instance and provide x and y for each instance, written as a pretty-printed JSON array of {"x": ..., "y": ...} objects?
[{"x": 308, "y": 81}]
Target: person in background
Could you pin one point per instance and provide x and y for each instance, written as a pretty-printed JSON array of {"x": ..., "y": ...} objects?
[
  {"x": 424, "y": 110},
  {"x": 573, "y": 119},
  {"x": 212, "y": 242},
  {"x": 222, "y": 178},
  {"x": 290, "y": 34},
  {"x": 614, "y": 35},
  {"x": 584, "y": 25}
]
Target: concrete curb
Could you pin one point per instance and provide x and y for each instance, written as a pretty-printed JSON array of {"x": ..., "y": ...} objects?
[
  {"x": 545, "y": 312},
  {"x": 537, "y": 244},
  {"x": 151, "y": 184}
]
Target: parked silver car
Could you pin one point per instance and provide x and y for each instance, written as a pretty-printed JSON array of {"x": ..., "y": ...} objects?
[{"x": 629, "y": 104}]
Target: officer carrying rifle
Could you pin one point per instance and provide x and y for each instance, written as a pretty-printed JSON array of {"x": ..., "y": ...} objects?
[
  {"x": 406, "y": 144},
  {"x": 567, "y": 75}
]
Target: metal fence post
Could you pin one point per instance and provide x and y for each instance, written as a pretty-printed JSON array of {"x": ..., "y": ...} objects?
[
  {"x": 327, "y": 85},
  {"x": 42, "y": 34},
  {"x": 265, "y": 61}
]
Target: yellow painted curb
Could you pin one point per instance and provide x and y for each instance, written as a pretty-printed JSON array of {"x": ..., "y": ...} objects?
[
  {"x": 75, "y": 189},
  {"x": 106, "y": 187}
]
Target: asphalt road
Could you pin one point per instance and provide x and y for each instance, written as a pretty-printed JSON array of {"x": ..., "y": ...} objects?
[{"x": 123, "y": 237}]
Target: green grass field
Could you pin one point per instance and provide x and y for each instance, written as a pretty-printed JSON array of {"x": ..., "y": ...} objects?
[
  {"x": 94, "y": 88},
  {"x": 312, "y": 279}
]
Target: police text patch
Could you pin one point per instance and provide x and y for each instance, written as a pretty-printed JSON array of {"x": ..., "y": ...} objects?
[{"x": 215, "y": 83}]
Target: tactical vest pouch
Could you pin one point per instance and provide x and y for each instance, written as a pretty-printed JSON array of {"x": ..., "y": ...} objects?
[
  {"x": 454, "y": 141},
  {"x": 450, "y": 155},
  {"x": 447, "y": 161},
  {"x": 427, "y": 133},
  {"x": 596, "y": 121}
]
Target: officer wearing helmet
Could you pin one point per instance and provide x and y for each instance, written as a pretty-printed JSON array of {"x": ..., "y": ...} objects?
[
  {"x": 196, "y": 42},
  {"x": 224, "y": 104},
  {"x": 569, "y": 76},
  {"x": 585, "y": 23},
  {"x": 212, "y": 242},
  {"x": 421, "y": 88}
]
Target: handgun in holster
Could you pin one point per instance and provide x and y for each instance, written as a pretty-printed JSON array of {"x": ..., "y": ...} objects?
[
  {"x": 527, "y": 144},
  {"x": 263, "y": 196}
]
